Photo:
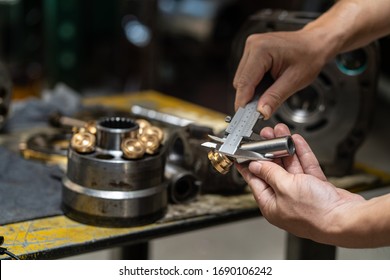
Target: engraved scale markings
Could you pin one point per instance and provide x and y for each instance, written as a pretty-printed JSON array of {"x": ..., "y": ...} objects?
[{"x": 240, "y": 126}]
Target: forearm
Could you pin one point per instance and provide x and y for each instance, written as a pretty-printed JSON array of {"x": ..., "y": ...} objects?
[
  {"x": 350, "y": 24},
  {"x": 365, "y": 226}
]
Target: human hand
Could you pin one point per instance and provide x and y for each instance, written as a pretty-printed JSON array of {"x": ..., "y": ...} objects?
[
  {"x": 294, "y": 194},
  {"x": 294, "y": 60}
]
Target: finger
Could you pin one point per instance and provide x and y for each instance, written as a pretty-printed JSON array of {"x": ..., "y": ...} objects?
[
  {"x": 291, "y": 163},
  {"x": 307, "y": 158},
  {"x": 262, "y": 192},
  {"x": 282, "y": 88},
  {"x": 249, "y": 77},
  {"x": 242, "y": 94},
  {"x": 267, "y": 132},
  {"x": 241, "y": 65},
  {"x": 272, "y": 174},
  {"x": 255, "y": 63}
]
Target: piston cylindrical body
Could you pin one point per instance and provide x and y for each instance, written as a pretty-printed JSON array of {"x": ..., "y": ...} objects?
[
  {"x": 105, "y": 188},
  {"x": 272, "y": 148}
]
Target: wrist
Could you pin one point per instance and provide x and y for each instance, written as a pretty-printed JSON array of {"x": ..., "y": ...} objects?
[
  {"x": 325, "y": 45},
  {"x": 346, "y": 225},
  {"x": 360, "y": 223}
]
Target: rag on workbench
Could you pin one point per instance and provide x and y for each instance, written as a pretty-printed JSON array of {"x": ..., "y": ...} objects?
[{"x": 29, "y": 189}]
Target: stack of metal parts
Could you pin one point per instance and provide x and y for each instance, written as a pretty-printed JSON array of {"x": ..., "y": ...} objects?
[
  {"x": 115, "y": 174},
  {"x": 113, "y": 179},
  {"x": 188, "y": 160}
]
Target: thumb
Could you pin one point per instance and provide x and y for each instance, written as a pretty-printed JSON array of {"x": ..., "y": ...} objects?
[
  {"x": 272, "y": 98},
  {"x": 271, "y": 173},
  {"x": 282, "y": 88}
]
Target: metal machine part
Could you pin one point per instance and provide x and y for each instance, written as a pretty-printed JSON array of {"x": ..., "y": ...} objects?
[
  {"x": 219, "y": 161},
  {"x": 103, "y": 187},
  {"x": 241, "y": 126},
  {"x": 5, "y": 94},
  {"x": 252, "y": 150},
  {"x": 185, "y": 151},
  {"x": 272, "y": 148},
  {"x": 213, "y": 181},
  {"x": 181, "y": 149},
  {"x": 59, "y": 120},
  {"x": 159, "y": 116},
  {"x": 49, "y": 147},
  {"x": 184, "y": 186},
  {"x": 334, "y": 113},
  {"x": 239, "y": 142}
]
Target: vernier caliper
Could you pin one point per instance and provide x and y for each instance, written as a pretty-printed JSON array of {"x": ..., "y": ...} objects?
[{"x": 242, "y": 144}]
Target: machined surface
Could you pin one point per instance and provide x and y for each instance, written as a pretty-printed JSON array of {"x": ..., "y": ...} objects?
[{"x": 106, "y": 187}]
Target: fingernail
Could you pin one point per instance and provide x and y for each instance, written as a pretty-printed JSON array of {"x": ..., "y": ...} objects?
[{"x": 266, "y": 111}]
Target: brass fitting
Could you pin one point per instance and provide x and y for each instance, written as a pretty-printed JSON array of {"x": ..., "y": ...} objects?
[
  {"x": 83, "y": 142},
  {"x": 220, "y": 162},
  {"x": 147, "y": 139},
  {"x": 150, "y": 142},
  {"x": 90, "y": 126},
  {"x": 154, "y": 130},
  {"x": 143, "y": 124},
  {"x": 132, "y": 148}
]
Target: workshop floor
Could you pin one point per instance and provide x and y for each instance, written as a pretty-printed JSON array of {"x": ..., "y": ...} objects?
[{"x": 256, "y": 238}]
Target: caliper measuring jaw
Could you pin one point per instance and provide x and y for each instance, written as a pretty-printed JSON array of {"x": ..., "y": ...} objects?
[{"x": 240, "y": 143}]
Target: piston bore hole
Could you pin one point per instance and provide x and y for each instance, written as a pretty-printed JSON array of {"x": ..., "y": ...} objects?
[
  {"x": 104, "y": 156},
  {"x": 290, "y": 146},
  {"x": 118, "y": 123},
  {"x": 184, "y": 189}
]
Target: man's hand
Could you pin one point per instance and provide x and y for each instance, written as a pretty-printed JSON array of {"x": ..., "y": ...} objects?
[
  {"x": 292, "y": 59},
  {"x": 293, "y": 193}
]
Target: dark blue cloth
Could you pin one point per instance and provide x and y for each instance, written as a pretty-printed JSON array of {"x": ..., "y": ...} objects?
[{"x": 28, "y": 189}]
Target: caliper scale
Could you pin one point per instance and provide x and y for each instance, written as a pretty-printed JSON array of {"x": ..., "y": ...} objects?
[
  {"x": 241, "y": 144},
  {"x": 241, "y": 126}
]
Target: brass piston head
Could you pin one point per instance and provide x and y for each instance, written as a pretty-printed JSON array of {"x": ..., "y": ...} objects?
[
  {"x": 154, "y": 130},
  {"x": 143, "y": 124},
  {"x": 220, "y": 162},
  {"x": 83, "y": 142},
  {"x": 132, "y": 148},
  {"x": 90, "y": 126},
  {"x": 150, "y": 142}
]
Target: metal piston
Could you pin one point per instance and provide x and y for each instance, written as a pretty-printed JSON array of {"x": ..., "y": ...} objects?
[{"x": 103, "y": 187}]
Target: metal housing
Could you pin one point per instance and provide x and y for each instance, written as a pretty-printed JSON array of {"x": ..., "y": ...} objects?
[{"x": 104, "y": 188}]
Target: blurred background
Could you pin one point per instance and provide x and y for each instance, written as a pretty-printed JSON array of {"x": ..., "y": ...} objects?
[{"x": 179, "y": 47}]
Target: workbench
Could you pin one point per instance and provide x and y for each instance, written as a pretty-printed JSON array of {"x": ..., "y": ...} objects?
[{"x": 58, "y": 236}]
